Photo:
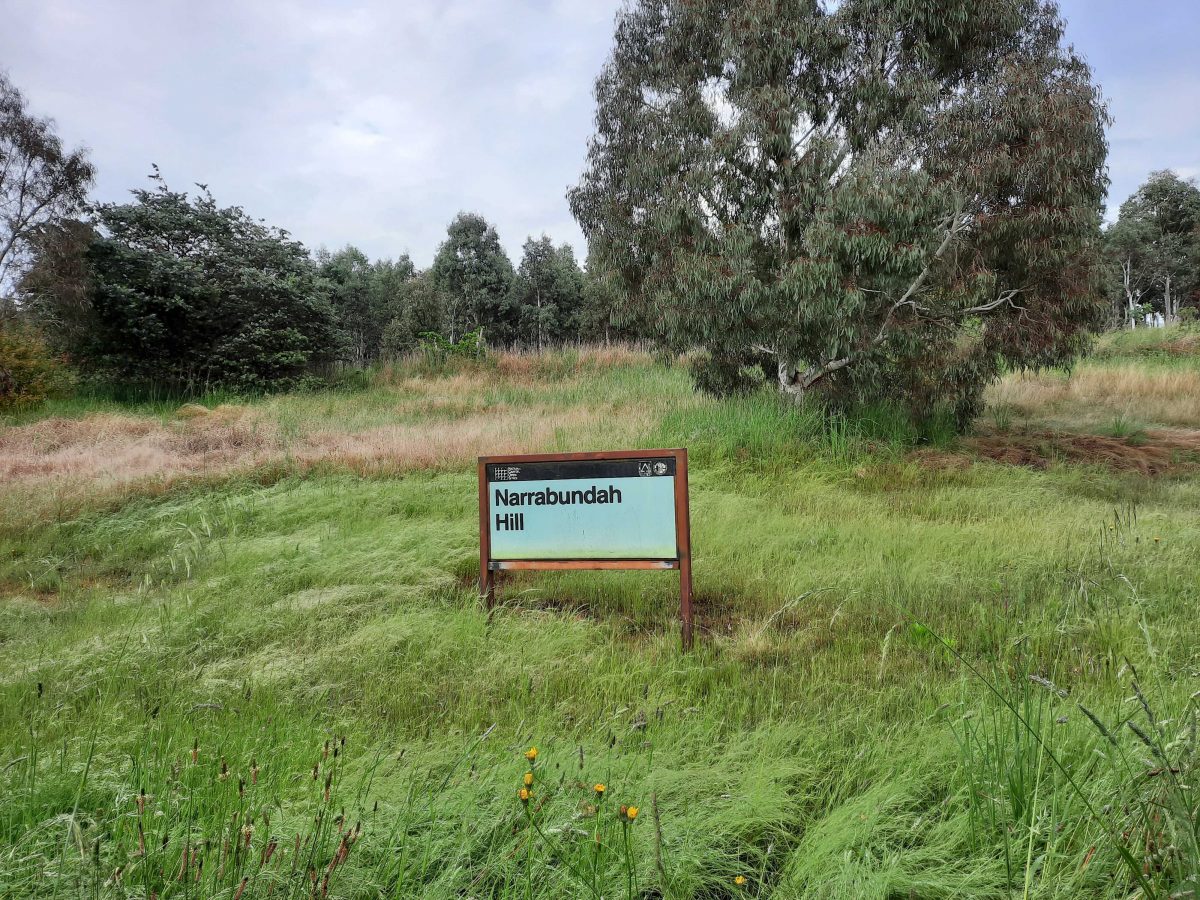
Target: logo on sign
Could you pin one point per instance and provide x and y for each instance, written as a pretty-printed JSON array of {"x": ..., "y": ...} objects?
[{"x": 644, "y": 468}]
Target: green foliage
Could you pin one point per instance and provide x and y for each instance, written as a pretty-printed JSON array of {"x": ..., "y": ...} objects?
[
  {"x": 381, "y": 305},
  {"x": 1154, "y": 248},
  {"x": 349, "y": 280},
  {"x": 438, "y": 348},
  {"x": 41, "y": 182},
  {"x": 885, "y": 200},
  {"x": 603, "y": 316},
  {"x": 475, "y": 276},
  {"x": 56, "y": 288},
  {"x": 192, "y": 295},
  {"x": 548, "y": 293},
  {"x": 420, "y": 307},
  {"x": 29, "y": 372}
]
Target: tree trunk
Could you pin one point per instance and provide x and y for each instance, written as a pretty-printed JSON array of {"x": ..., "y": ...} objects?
[
  {"x": 1130, "y": 294},
  {"x": 539, "y": 319}
]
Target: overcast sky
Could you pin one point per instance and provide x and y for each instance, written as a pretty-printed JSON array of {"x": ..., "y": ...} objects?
[{"x": 374, "y": 122}]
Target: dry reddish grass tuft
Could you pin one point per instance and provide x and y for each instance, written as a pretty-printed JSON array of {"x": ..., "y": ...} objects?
[
  {"x": 1173, "y": 451},
  {"x": 534, "y": 365},
  {"x": 453, "y": 443},
  {"x": 407, "y": 422}
]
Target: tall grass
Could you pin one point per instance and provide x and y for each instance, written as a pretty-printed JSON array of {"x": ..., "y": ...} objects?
[{"x": 816, "y": 744}]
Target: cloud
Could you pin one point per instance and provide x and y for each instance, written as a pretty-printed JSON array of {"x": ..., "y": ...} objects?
[{"x": 375, "y": 122}]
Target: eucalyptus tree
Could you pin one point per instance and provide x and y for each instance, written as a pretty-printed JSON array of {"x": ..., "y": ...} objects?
[
  {"x": 41, "y": 182},
  {"x": 1155, "y": 244},
  {"x": 349, "y": 275},
  {"x": 475, "y": 275},
  {"x": 548, "y": 292},
  {"x": 871, "y": 197}
]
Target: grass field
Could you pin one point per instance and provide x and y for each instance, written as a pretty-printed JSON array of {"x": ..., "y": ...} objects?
[{"x": 241, "y": 654}]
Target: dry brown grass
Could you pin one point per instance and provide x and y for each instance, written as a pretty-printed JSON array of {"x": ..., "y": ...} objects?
[
  {"x": 112, "y": 448},
  {"x": 117, "y": 447},
  {"x": 1157, "y": 452},
  {"x": 409, "y": 420},
  {"x": 457, "y": 442},
  {"x": 1094, "y": 395}
]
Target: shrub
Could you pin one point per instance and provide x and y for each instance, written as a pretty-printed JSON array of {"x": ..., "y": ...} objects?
[
  {"x": 190, "y": 296},
  {"x": 29, "y": 372},
  {"x": 437, "y": 347}
]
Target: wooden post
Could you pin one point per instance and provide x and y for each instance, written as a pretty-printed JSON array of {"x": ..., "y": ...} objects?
[
  {"x": 487, "y": 578},
  {"x": 683, "y": 528}
]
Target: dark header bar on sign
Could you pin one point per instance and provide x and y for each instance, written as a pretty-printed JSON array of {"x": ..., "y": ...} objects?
[{"x": 660, "y": 467}]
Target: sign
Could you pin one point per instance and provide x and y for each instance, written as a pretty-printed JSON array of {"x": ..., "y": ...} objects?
[{"x": 625, "y": 509}]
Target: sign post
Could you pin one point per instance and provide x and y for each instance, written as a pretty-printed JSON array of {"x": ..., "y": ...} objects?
[{"x": 624, "y": 509}]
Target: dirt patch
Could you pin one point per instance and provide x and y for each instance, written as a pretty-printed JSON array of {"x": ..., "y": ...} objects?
[
  {"x": 16, "y": 591},
  {"x": 1156, "y": 452}
]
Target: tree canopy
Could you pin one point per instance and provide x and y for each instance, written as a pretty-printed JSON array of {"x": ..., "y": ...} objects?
[
  {"x": 548, "y": 293},
  {"x": 40, "y": 181},
  {"x": 189, "y": 294},
  {"x": 1155, "y": 246},
  {"x": 474, "y": 273},
  {"x": 875, "y": 198}
]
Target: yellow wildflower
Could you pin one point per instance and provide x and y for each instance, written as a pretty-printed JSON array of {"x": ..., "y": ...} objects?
[
  {"x": 599, "y": 789},
  {"x": 528, "y": 779},
  {"x": 524, "y": 794},
  {"x": 531, "y": 754},
  {"x": 740, "y": 880},
  {"x": 631, "y": 812}
]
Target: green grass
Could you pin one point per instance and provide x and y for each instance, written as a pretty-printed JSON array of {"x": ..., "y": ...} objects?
[
  {"x": 1178, "y": 346},
  {"x": 827, "y": 738}
]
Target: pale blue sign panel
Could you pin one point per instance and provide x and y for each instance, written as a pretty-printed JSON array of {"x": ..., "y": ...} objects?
[{"x": 598, "y": 517}]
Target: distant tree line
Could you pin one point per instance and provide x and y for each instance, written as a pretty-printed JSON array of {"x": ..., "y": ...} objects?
[
  {"x": 1153, "y": 252},
  {"x": 384, "y": 307},
  {"x": 780, "y": 233},
  {"x": 176, "y": 290}
]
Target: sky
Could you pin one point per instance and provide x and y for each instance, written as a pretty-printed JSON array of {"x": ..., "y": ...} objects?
[{"x": 374, "y": 122}]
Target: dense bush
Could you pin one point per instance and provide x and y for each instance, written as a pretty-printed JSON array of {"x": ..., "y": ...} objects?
[
  {"x": 191, "y": 296},
  {"x": 29, "y": 372}
]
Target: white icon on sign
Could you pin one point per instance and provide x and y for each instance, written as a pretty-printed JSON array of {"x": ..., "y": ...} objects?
[
  {"x": 507, "y": 474},
  {"x": 644, "y": 468},
  {"x": 660, "y": 468}
]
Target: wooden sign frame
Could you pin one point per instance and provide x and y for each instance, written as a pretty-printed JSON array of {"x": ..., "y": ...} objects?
[{"x": 682, "y": 561}]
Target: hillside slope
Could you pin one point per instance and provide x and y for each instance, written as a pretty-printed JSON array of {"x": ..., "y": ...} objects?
[{"x": 241, "y": 654}]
